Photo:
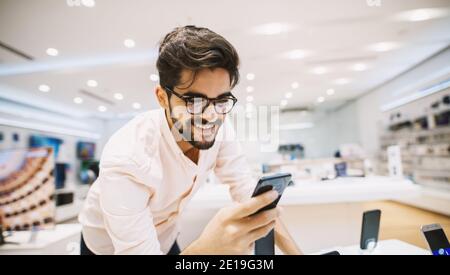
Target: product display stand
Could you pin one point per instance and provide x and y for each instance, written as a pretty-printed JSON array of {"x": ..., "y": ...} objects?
[
  {"x": 266, "y": 245},
  {"x": 2, "y": 240}
]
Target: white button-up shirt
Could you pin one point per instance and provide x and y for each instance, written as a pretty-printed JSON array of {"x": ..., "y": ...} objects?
[{"x": 146, "y": 181}]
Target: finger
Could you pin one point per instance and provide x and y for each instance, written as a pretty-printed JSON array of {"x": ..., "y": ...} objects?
[
  {"x": 251, "y": 206},
  {"x": 260, "y": 219}
]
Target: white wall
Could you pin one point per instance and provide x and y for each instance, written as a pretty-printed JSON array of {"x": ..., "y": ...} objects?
[
  {"x": 370, "y": 116},
  {"x": 330, "y": 130}
]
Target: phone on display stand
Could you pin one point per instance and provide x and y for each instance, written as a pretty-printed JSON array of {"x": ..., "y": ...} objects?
[
  {"x": 370, "y": 229},
  {"x": 278, "y": 182},
  {"x": 436, "y": 239}
]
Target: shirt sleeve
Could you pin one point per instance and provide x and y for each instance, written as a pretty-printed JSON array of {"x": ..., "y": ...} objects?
[
  {"x": 124, "y": 202},
  {"x": 232, "y": 167}
]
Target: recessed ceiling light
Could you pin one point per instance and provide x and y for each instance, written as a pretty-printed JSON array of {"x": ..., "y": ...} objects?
[
  {"x": 289, "y": 95},
  {"x": 52, "y": 52},
  {"x": 92, "y": 83},
  {"x": 250, "y": 89},
  {"x": 296, "y": 54},
  {"x": 78, "y": 100},
  {"x": 250, "y": 98},
  {"x": 154, "y": 77},
  {"x": 102, "y": 109},
  {"x": 137, "y": 106},
  {"x": 359, "y": 67},
  {"x": 273, "y": 28},
  {"x": 321, "y": 99},
  {"x": 331, "y": 92},
  {"x": 250, "y": 76},
  {"x": 88, "y": 3},
  {"x": 118, "y": 96},
  {"x": 295, "y": 85},
  {"x": 320, "y": 70},
  {"x": 421, "y": 14},
  {"x": 44, "y": 88},
  {"x": 342, "y": 81},
  {"x": 129, "y": 43},
  {"x": 284, "y": 102},
  {"x": 384, "y": 46}
]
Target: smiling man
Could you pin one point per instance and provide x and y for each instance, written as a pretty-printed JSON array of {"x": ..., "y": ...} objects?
[{"x": 151, "y": 168}]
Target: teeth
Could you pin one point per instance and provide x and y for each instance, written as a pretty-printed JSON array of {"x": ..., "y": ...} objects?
[{"x": 204, "y": 127}]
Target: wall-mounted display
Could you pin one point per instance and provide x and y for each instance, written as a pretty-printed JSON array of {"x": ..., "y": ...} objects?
[
  {"x": 86, "y": 150},
  {"x": 89, "y": 171},
  {"x": 27, "y": 188},
  {"x": 61, "y": 175},
  {"x": 44, "y": 141},
  {"x": 15, "y": 137}
]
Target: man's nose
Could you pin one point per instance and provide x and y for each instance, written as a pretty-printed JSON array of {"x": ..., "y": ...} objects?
[{"x": 210, "y": 113}]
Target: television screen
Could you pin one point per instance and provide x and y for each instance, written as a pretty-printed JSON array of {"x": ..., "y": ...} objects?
[
  {"x": 43, "y": 141},
  {"x": 61, "y": 175},
  {"x": 86, "y": 150},
  {"x": 27, "y": 189}
]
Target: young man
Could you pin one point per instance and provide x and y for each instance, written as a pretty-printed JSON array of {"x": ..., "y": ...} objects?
[{"x": 152, "y": 167}]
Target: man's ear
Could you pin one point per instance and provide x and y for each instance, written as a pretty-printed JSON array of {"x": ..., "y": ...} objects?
[{"x": 161, "y": 95}]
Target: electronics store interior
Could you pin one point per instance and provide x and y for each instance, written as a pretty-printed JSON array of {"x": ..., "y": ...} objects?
[{"x": 290, "y": 127}]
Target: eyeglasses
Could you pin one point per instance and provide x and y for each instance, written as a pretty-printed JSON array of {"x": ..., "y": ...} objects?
[{"x": 196, "y": 105}]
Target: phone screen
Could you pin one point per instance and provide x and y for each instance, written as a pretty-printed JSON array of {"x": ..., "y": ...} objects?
[
  {"x": 277, "y": 182},
  {"x": 438, "y": 242}
]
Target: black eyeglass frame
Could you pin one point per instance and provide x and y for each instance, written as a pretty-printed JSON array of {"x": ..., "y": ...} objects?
[{"x": 186, "y": 99}]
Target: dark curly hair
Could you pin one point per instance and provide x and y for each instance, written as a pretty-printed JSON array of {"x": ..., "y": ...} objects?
[{"x": 193, "y": 48}]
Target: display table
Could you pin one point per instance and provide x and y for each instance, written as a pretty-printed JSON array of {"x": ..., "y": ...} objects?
[
  {"x": 318, "y": 214},
  {"x": 63, "y": 239},
  {"x": 388, "y": 247},
  {"x": 326, "y": 192}
]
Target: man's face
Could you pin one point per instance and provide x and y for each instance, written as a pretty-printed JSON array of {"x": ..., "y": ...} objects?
[{"x": 200, "y": 130}]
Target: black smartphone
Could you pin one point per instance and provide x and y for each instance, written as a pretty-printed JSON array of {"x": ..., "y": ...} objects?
[
  {"x": 332, "y": 253},
  {"x": 370, "y": 229},
  {"x": 278, "y": 182},
  {"x": 436, "y": 239}
]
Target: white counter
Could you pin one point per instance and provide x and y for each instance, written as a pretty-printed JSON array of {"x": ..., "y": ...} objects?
[
  {"x": 63, "y": 239},
  {"x": 326, "y": 192},
  {"x": 387, "y": 247}
]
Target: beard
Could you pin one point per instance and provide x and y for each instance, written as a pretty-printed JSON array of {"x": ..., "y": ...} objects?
[{"x": 195, "y": 136}]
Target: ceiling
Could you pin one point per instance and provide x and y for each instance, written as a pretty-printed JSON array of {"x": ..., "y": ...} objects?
[{"x": 332, "y": 35}]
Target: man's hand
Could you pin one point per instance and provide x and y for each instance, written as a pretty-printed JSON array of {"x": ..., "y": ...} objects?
[{"x": 234, "y": 229}]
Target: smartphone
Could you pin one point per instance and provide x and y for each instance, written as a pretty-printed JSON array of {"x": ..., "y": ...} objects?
[
  {"x": 278, "y": 182},
  {"x": 332, "y": 253},
  {"x": 370, "y": 229},
  {"x": 436, "y": 239}
]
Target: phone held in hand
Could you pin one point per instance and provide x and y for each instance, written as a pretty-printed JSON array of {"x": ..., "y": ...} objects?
[{"x": 277, "y": 182}]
